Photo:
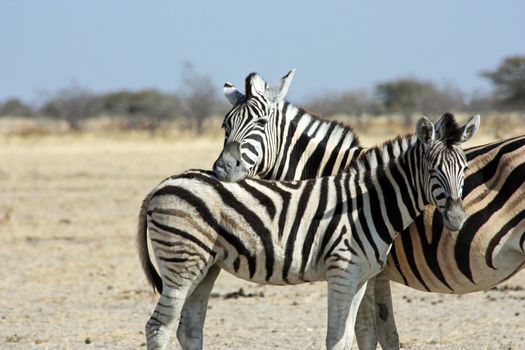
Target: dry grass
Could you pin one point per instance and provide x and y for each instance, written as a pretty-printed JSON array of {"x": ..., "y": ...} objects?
[
  {"x": 375, "y": 130},
  {"x": 372, "y": 129},
  {"x": 70, "y": 276}
]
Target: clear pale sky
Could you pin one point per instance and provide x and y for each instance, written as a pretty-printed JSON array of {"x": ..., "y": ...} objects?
[{"x": 334, "y": 45}]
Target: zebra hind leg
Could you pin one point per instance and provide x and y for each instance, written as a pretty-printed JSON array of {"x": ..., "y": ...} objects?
[
  {"x": 190, "y": 329},
  {"x": 175, "y": 292},
  {"x": 166, "y": 314}
]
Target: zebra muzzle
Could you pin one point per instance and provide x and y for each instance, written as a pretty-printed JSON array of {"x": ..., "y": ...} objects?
[
  {"x": 228, "y": 167},
  {"x": 454, "y": 214}
]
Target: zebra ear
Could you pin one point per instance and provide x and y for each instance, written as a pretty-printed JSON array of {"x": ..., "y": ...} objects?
[
  {"x": 232, "y": 94},
  {"x": 439, "y": 127},
  {"x": 255, "y": 85},
  {"x": 277, "y": 92},
  {"x": 425, "y": 130},
  {"x": 469, "y": 129}
]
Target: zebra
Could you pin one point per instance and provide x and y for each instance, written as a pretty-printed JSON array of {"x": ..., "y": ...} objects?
[
  {"x": 426, "y": 256},
  {"x": 270, "y": 137},
  {"x": 252, "y": 229}
]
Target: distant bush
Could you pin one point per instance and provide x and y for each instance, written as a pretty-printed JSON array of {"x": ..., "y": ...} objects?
[
  {"x": 402, "y": 96},
  {"x": 145, "y": 109},
  {"x": 409, "y": 95},
  {"x": 73, "y": 105},
  {"x": 15, "y": 108},
  {"x": 509, "y": 83},
  {"x": 199, "y": 97},
  {"x": 197, "y": 100},
  {"x": 142, "y": 109},
  {"x": 355, "y": 102}
]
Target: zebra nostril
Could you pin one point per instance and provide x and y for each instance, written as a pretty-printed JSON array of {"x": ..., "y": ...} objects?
[{"x": 238, "y": 163}]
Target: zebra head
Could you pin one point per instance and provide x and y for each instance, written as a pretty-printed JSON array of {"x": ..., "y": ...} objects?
[
  {"x": 246, "y": 127},
  {"x": 444, "y": 163}
]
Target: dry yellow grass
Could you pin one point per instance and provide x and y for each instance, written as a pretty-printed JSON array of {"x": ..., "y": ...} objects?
[
  {"x": 70, "y": 273},
  {"x": 372, "y": 129}
]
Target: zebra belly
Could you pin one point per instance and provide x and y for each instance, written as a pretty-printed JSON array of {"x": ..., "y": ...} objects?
[
  {"x": 453, "y": 266},
  {"x": 239, "y": 267},
  {"x": 485, "y": 279}
]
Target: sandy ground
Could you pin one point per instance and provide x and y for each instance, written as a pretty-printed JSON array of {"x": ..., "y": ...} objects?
[{"x": 70, "y": 277}]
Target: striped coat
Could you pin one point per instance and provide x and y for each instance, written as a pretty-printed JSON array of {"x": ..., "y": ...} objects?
[
  {"x": 295, "y": 232},
  {"x": 426, "y": 256}
]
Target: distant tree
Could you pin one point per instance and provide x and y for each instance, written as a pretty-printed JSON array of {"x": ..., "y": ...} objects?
[
  {"x": 480, "y": 103},
  {"x": 408, "y": 96},
  {"x": 355, "y": 102},
  {"x": 72, "y": 104},
  {"x": 404, "y": 95},
  {"x": 200, "y": 96},
  {"x": 509, "y": 82},
  {"x": 146, "y": 109},
  {"x": 15, "y": 107},
  {"x": 445, "y": 98}
]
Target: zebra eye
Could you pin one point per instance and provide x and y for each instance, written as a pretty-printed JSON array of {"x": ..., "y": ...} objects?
[{"x": 262, "y": 120}]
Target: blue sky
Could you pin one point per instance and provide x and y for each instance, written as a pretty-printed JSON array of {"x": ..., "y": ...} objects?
[{"x": 334, "y": 45}]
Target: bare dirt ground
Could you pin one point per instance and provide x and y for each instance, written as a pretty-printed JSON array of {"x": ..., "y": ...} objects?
[{"x": 70, "y": 276}]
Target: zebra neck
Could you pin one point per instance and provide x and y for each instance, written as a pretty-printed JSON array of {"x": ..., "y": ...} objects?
[
  {"x": 395, "y": 192},
  {"x": 310, "y": 147}
]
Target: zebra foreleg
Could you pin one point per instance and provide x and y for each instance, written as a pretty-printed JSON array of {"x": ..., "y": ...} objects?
[
  {"x": 365, "y": 325},
  {"x": 191, "y": 325},
  {"x": 385, "y": 322},
  {"x": 343, "y": 302}
]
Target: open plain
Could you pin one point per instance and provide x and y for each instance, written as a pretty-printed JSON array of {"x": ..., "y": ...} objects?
[{"x": 70, "y": 276}]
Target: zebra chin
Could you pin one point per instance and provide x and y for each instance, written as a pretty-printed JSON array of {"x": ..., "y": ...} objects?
[{"x": 454, "y": 215}]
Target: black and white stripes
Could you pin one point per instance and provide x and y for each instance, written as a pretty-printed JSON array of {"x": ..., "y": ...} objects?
[
  {"x": 269, "y": 137},
  {"x": 488, "y": 250},
  {"x": 292, "y": 232}
]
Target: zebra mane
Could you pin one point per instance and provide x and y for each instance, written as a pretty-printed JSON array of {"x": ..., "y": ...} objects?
[
  {"x": 382, "y": 154},
  {"x": 449, "y": 129},
  {"x": 317, "y": 117},
  {"x": 255, "y": 85}
]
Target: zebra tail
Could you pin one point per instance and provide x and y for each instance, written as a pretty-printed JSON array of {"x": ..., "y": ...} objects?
[{"x": 142, "y": 242}]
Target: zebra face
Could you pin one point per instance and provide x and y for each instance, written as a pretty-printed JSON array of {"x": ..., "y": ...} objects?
[
  {"x": 246, "y": 150},
  {"x": 244, "y": 137},
  {"x": 444, "y": 164},
  {"x": 445, "y": 181}
]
